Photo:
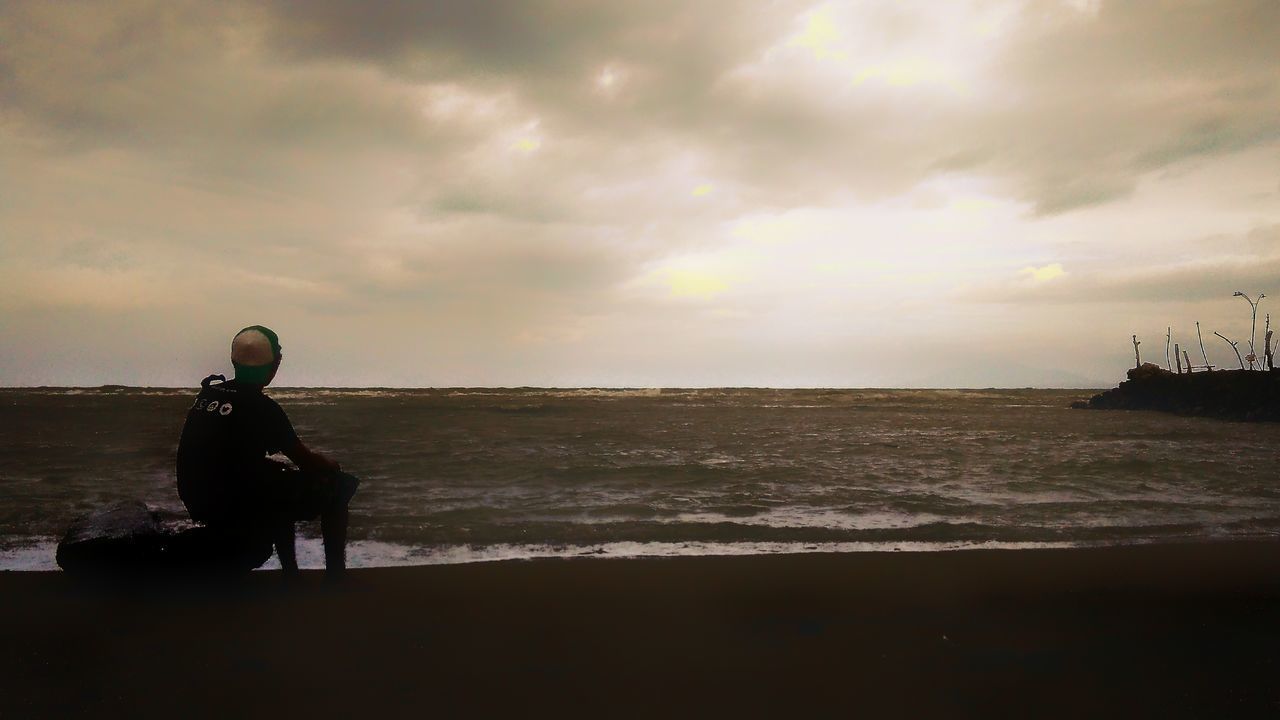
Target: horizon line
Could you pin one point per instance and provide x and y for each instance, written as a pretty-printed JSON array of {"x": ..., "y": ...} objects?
[{"x": 569, "y": 387}]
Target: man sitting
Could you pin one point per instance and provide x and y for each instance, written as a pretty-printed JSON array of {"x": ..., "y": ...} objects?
[{"x": 226, "y": 479}]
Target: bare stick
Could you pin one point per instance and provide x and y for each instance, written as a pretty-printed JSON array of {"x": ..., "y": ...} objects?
[
  {"x": 1267, "y": 345},
  {"x": 1233, "y": 347},
  {"x": 1201, "y": 338},
  {"x": 1178, "y": 358},
  {"x": 1253, "y": 331},
  {"x": 1168, "y": 335},
  {"x": 1188, "y": 357},
  {"x": 1137, "y": 359}
]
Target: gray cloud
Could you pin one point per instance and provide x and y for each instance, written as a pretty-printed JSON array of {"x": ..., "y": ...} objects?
[
  {"x": 1145, "y": 85},
  {"x": 1096, "y": 102}
]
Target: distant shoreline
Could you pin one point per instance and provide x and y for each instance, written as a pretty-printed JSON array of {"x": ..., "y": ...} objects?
[{"x": 503, "y": 388}]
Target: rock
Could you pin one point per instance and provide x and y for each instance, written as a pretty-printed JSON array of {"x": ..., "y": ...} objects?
[
  {"x": 120, "y": 537},
  {"x": 1227, "y": 394},
  {"x": 128, "y": 539},
  {"x": 1147, "y": 371}
]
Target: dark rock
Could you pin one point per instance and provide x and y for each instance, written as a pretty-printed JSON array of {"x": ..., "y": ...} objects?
[
  {"x": 119, "y": 537},
  {"x": 1148, "y": 371},
  {"x": 128, "y": 539},
  {"x": 1228, "y": 394}
]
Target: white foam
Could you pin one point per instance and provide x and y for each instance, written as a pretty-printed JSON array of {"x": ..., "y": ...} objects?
[
  {"x": 561, "y": 392},
  {"x": 39, "y": 556},
  {"x": 370, "y": 554},
  {"x": 29, "y": 555},
  {"x": 803, "y": 517}
]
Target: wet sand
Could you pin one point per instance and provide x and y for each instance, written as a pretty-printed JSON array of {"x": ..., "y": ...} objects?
[{"x": 1169, "y": 630}]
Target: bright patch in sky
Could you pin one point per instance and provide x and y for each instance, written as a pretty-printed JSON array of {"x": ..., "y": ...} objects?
[
  {"x": 694, "y": 283},
  {"x": 907, "y": 72},
  {"x": 607, "y": 78},
  {"x": 946, "y": 44},
  {"x": 1087, "y": 7},
  {"x": 820, "y": 36},
  {"x": 971, "y": 205},
  {"x": 703, "y": 190},
  {"x": 526, "y": 145},
  {"x": 1045, "y": 273}
]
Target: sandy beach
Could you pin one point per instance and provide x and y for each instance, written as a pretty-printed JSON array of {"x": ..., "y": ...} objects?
[{"x": 1168, "y": 630}]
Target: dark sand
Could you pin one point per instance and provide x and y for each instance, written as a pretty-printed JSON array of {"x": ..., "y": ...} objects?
[{"x": 1170, "y": 630}]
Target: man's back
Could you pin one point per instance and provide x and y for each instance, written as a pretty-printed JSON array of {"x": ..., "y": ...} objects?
[{"x": 229, "y": 429}]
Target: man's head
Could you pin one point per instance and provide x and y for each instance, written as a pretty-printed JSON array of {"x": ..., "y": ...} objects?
[{"x": 255, "y": 354}]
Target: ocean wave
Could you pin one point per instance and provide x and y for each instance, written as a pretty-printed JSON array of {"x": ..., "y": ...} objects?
[
  {"x": 585, "y": 467},
  {"x": 371, "y": 554}
]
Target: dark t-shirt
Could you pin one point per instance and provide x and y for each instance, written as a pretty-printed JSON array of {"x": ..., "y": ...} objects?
[{"x": 230, "y": 428}]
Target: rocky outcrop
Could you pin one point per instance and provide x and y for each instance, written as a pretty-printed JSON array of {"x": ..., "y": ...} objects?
[
  {"x": 1228, "y": 394},
  {"x": 128, "y": 539}
]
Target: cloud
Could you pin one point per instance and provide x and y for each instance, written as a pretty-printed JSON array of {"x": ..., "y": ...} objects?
[
  {"x": 1249, "y": 261},
  {"x": 1067, "y": 108},
  {"x": 1133, "y": 88},
  {"x": 1044, "y": 273},
  {"x": 544, "y": 172}
]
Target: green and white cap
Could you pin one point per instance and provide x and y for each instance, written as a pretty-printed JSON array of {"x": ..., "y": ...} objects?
[{"x": 253, "y": 353}]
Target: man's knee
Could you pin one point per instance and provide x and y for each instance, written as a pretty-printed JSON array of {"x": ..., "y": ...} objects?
[{"x": 345, "y": 486}]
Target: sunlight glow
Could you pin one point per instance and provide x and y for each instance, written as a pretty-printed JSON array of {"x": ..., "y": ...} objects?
[
  {"x": 841, "y": 45},
  {"x": 694, "y": 283},
  {"x": 1043, "y": 274},
  {"x": 908, "y": 72},
  {"x": 454, "y": 102},
  {"x": 820, "y": 36},
  {"x": 1085, "y": 7},
  {"x": 526, "y": 145},
  {"x": 972, "y": 204},
  {"x": 607, "y": 78}
]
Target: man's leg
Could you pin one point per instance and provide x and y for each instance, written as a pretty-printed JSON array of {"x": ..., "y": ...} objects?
[
  {"x": 301, "y": 495},
  {"x": 333, "y": 521},
  {"x": 283, "y": 537},
  {"x": 333, "y": 527},
  {"x": 277, "y": 490}
]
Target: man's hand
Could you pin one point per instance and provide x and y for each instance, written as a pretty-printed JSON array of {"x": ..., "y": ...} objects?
[
  {"x": 328, "y": 463},
  {"x": 308, "y": 459}
]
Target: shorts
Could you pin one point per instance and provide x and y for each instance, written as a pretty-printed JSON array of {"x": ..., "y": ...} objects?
[{"x": 281, "y": 494}]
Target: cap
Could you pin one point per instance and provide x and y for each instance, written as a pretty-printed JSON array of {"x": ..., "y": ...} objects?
[{"x": 254, "y": 351}]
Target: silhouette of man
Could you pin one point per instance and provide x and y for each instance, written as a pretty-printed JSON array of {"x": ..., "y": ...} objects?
[{"x": 226, "y": 479}]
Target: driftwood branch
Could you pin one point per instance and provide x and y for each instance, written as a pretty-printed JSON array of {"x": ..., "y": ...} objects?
[
  {"x": 1200, "y": 337},
  {"x": 1168, "y": 335},
  {"x": 1137, "y": 359},
  {"x": 1233, "y": 347},
  {"x": 1267, "y": 345}
]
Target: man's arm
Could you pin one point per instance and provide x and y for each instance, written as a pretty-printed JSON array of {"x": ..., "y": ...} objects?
[{"x": 309, "y": 459}]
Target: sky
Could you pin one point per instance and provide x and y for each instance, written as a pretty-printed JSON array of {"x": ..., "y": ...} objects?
[{"x": 871, "y": 193}]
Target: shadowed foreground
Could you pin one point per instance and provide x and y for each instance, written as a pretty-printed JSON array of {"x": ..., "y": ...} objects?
[{"x": 1182, "y": 630}]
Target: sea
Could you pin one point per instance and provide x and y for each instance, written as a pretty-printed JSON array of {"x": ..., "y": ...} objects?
[{"x": 457, "y": 475}]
